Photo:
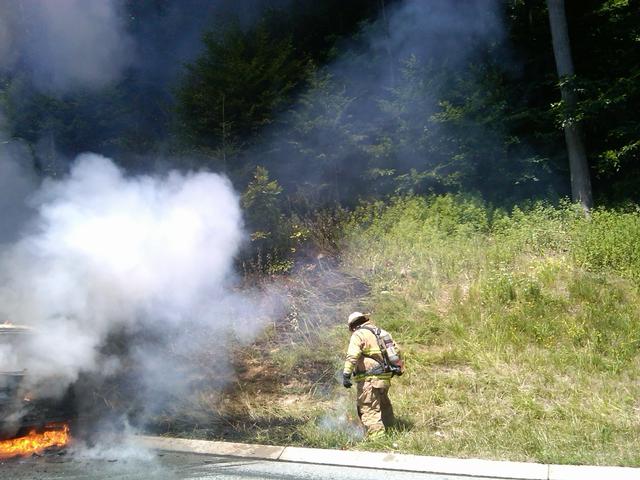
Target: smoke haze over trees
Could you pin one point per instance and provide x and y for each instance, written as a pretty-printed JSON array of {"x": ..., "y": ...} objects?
[
  {"x": 149, "y": 148},
  {"x": 335, "y": 100},
  {"x": 308, "y": 104},
  {"x": 312, "y": 104},
  {"x": 334, "y": 103}
]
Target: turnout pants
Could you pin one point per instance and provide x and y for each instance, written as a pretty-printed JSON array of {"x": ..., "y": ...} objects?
[{"x": 374, "y": 407}]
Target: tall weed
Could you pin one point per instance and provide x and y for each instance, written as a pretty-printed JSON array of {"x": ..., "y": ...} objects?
[{"x": 609, "y": 241}]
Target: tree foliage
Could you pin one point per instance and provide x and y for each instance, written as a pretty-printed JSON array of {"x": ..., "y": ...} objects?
[
  {"x": 238, "y": 85},
  {"x": 335, "y": 119}
]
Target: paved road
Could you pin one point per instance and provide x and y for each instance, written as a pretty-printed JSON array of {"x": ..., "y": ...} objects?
[{"x": 167, "y": 466}]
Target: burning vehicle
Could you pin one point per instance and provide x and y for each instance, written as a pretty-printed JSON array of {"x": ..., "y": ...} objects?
[
  {"x": 13, "y": 401},
  {"x": 27, "y": 424}
]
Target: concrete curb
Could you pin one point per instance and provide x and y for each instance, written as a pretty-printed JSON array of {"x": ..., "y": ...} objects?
[
  {"x": 394, "y": 461},
  {"x": 263, "y": 452}
]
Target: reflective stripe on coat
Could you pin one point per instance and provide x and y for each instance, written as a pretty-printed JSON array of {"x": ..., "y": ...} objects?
[{"x": 363, "y": 355}]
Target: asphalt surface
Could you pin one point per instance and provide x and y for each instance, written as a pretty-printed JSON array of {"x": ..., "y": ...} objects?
[{"x": 173, "y": 465}]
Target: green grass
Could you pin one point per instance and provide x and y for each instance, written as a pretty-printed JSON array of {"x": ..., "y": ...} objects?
[
  {"x": 521, "y": 333},
  {"x": 521, "y": 330}
]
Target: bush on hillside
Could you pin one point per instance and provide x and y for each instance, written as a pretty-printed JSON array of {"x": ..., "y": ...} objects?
[{"x": 609, "y": 240}]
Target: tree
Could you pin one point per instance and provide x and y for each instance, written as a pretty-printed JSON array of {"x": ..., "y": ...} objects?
[
  {"x": 578, "y": 164},
  {"x": 318, "y": 152},
  {"x": 237, "y": 85},
  {"x": 271, "y": 235}
]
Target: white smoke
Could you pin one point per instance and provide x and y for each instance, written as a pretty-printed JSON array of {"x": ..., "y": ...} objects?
[
  {"x": 111, "y": 252},
  {"x": 123, "y": 446},
  {"x": 66, "y": 43}
]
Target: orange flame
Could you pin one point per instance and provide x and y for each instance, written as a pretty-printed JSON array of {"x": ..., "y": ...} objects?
[{"x": 56, "y": 435}]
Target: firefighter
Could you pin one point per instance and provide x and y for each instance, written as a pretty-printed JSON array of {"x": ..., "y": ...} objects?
[{"x": 371, "y": 373}]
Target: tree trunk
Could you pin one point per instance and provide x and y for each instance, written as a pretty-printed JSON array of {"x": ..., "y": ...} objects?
[{"x": 578, "y": 165}]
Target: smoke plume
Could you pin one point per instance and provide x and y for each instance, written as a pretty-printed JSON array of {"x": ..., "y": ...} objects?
[
  {"x": 97, "y": 254},
  {"x": 149, "y": 256},
  {"x": 345, "y": 137},
  {"x": 67, "y": 43}
]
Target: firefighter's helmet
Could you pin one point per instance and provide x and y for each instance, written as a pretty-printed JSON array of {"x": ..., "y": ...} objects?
[{"x": 355, "y": 316}]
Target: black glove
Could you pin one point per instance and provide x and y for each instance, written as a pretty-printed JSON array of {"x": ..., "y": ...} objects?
[{"x": 346, "y": 380}]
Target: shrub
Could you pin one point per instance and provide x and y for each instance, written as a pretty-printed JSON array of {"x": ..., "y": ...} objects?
[{"x": 609, "y": 240}]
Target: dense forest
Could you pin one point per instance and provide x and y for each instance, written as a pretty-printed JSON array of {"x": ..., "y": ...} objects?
[
  {"x": 359, "y": 100},
  {"x": 307, "y": 105}
]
